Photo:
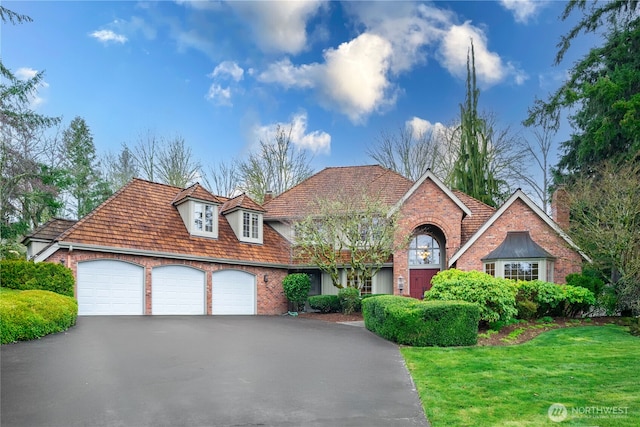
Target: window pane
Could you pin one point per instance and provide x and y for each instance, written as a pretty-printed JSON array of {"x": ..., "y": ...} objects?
[
  {"x": 424, "y": 249},
  {"x": 197, "y": 215},
  {"x": 521, "y": 270},
  {"x": 208, "y": 218},
  {"x": 490, "y": 269},
  {"x": 245, "y": 225},
  {"x": 254, "y": 226}
]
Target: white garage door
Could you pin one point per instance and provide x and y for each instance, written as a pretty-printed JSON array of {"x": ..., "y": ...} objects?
[
  {"x": 233, "y": 292},
  {"x": 176, "y": 289},
  {"x": 110, "y": 287}
]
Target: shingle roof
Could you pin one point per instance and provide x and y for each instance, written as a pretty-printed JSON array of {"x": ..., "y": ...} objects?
[
  {"x": 345, "y": 182},
  {"x": 481, "y": 213},
  {"x": 142, "y": 216},
  {"x": 241, "y": 201},
  {"x": 50, "y": 230}
]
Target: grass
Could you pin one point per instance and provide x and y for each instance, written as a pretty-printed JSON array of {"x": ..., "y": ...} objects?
[
  {"x": 580, "y": 367},
  {"x": 25, "y": 315}
]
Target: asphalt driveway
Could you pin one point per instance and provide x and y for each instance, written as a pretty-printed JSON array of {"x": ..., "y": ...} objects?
[{"x": 207, "y": 371}]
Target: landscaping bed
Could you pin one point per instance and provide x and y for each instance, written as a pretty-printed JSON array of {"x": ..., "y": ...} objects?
[
  {"x": 524, "y": 331},
  {"x": 332, "y": 317}
]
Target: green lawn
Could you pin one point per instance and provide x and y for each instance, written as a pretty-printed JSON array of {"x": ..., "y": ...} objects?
[{"x": 587, "y": 369}]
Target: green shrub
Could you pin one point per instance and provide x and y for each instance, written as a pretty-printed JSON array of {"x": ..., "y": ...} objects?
[
  {"x": 25, "y": 315},
  {"x": 325, "y": 303},
  {"x": 296, "y": 288},
  {"x": 586, "y": 280},
  {"x": 422, "y": 323},
  {"x": 362, "y": 297},
  {"x": 555, "y": 300},
  {"x": 28, "y": 275},
  {"x": 349, "y": 300},
  {"x": 527, "y": 309},
  {"x": 495, "y": 297}
]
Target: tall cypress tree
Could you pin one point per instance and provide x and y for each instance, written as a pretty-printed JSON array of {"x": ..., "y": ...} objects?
[{"x": 472, "y": 172}]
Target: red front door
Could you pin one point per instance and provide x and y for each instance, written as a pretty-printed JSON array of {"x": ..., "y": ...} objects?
[{"x": 420, "y": 281}]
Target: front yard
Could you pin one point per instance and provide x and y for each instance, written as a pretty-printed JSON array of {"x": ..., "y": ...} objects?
[{"x": 592, "y": 371}]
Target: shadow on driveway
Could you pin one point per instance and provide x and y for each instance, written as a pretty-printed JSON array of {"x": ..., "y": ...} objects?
[{"x": 207, "y": 371}]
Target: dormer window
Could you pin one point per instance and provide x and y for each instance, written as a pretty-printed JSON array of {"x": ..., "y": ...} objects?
[
  {"x": 250, "y": 225},
  {"x": 203, "y": 217}
]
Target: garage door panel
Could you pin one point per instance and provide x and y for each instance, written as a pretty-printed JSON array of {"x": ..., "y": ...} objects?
[
  {"x": 178, "y": 290},
  {"x": 110, "y": 287},
  {"x": 233, "y": 292}
]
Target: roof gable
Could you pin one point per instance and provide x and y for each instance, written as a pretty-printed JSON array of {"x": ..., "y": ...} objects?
[
  {"x": 430, "y": 175},
  {"x": 345, "y": 182},
  {"x": 196, "y": 191},
  {"x": 517, "y": 195},
  {"x": 241, "y": 202}
]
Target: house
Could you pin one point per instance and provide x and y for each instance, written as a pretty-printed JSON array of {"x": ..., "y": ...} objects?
[{"x": 157, "y": 249}]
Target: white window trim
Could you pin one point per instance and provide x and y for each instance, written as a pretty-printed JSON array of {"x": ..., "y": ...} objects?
[
  {"x": 545, "y": 267},
  {"x": 192, "y": 226},
  {"x": 251, "y": 239}
]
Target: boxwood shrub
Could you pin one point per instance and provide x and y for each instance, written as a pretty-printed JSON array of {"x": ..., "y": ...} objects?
[
  {"x": 25, "y": 315},
  {"x": 350, "y": 300},
  {"x": 325, "y": 303},
  {"x": 422, "y": 323},
  {"x": 494, "y": 296},
  {"x": 28, "y": 275}
]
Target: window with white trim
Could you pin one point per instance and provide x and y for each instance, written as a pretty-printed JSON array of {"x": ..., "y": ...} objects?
[
  {"x": 517, "y": 269},
  {"x": 203, "y": 217},
  {"x": 424, "y": 249},
  {"x": 250, "y": 225}
]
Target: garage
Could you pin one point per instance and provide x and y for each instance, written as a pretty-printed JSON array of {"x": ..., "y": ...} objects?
[
  {"x": 110, "y": 287},
  {"x": 233, "y": 292},
  {"x": 176, "y": 289}
]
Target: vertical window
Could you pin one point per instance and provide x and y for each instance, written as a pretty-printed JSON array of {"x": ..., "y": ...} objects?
[
  {"x": 254, "y": 226},
  {"x": 208, "y": 218},
  {"x": 490, "y": 269},
  {"x": 366, "y": 287},
  {"x": 198, "y": 216},
  {"x": 246, "y": 224}
]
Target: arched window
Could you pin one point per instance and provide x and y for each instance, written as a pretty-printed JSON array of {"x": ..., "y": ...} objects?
[{"x": 424, "y": 250}]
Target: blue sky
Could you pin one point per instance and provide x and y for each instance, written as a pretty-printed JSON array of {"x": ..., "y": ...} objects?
[{"x": 223, "y": 74}]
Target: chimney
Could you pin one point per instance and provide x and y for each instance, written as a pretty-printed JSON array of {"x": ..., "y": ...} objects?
[
  {"x": 268, "y": 196},
  {"x": 560, "y": 207}
]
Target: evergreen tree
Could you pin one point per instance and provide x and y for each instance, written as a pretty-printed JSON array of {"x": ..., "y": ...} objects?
[
  {"x": 472, "y": 173},
  {"x": 87, "y": 188}
]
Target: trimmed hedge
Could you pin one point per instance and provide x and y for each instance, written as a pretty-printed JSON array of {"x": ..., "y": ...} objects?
[
  {"x": 325, "y": 303},
  {"x": 28, "y": 275},
  {"x": 422, "y": 323},
  {"x": 25, "y": 315},
  {"x": 494, "y": 296}
]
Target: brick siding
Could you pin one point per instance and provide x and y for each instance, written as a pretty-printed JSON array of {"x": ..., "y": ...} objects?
[{"x": 270, "y": 295}]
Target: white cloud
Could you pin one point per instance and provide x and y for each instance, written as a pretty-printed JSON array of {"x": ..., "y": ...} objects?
[
  {"x": 490, "y": 69},
  {"x": 219, "y": 95},
  {"x": 420, "y": 127},
  {"x": 352, "y": 79},
  {"x": 27, "y": 73},
  {"x": 318, "y": 142},
  {"x": 523, "y": 10},
  {"x": 107, "y": 36},
  {"x": 278, "y": 26},
  {"x": 228, "y": 68}
]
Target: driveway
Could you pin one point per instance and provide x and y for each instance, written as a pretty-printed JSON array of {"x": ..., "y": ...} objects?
[{"x": 207, "y": 371}]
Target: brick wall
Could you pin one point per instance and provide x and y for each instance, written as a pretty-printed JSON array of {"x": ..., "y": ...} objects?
[
  {"x": 520, "y": 218},
  {"x": 428, "y": 205},
  {"x": 270, "y": 295}
]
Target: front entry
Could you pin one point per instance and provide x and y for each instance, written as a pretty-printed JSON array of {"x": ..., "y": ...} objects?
[{"x": 420, "y": 281}]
